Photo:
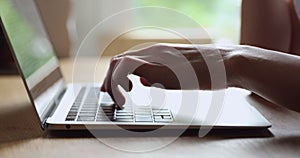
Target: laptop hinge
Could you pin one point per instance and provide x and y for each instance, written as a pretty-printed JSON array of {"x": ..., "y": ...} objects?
[
  {"x": 44, "y": 124},
  {"x": 57, "y": 101},
  {"x": 49, "y": 111}
]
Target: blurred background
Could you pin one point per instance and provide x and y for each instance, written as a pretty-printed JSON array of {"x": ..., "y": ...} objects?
[{"x": 69, "y": 21}]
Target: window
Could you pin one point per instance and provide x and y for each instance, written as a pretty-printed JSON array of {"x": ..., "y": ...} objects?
[{"x": 221, "y": 18}]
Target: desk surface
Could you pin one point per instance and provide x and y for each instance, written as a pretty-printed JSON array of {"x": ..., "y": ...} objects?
[{"x": 21, "y": 136}]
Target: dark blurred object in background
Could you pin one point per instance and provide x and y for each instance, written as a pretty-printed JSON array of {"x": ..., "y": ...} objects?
[{"x": 7, "y": 64}]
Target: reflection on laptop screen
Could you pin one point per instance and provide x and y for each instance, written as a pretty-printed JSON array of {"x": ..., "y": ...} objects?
[{"x": 31, "y": 47}]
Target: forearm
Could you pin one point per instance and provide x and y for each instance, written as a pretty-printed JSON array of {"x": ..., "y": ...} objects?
[{"x": 272, "y": 75}]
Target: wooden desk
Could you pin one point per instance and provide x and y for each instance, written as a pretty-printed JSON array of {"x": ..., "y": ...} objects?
[{"x": 21, "y": 136}]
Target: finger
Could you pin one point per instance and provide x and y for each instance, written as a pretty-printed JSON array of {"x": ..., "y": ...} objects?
[
  {"x": 123, "y": 81},
  {"x": 145, "y": 82},
  {"x": 102, "y": 89},
  {"x": 119, "y": 76},
  {"x": 120, "y": 68},
  {"x": 116, "y": 94},
  {"x": 107, "y": 85},
  {"x": 126, "y": 66}
]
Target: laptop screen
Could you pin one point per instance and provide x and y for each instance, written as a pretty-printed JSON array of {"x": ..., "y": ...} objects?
[{"x": 32, "y": 50}]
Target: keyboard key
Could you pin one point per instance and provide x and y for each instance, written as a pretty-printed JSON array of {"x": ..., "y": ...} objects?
[
  {"x": 87, "y": 115},
  {"x": 162, "y": 116},
  {"x": 162, "y": 120},
  {"x": 157, "y": 117},
  {"x": 166, "y": 116},
  {"x": 106, "y": 114},
  {"x": 72, "y": 113},
  {"x": 124, "y": 120},
  {"x": 124, "y": 111},
  {"x": 124, "y": 114},
  {"x": 107, "y": 106},
  {"x": 143, "y": 119},
  {"x": 85, "y": 118},
  {"x": 162, "y": 113},
  {"x": 89, "y": 109},
  {"x": 76, "y": 105},
  {"x": 127, "y": 107},
  {"x": 74, "y": 108},
  {"x": 106, "y": 111},
  {"x": 88, "y": 101},
  {"x": 105, "y": 118},
  {"x": 160, "y": 110},
  {"x": 80, "y": 95},
  {"x": 91, "y": 105},
  {"x": 106, "y": 99},
  {"x": 70, "y": 118},
  {"x": 142, "y": 113},
  {"x": 124, "y": 117},
  {"x": 88, "y": 112}
]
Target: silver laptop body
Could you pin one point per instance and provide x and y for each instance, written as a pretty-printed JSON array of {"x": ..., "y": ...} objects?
[{"x": 62, "y": 106}]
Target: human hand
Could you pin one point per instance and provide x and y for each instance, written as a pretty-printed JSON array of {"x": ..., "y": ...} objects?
[{"x": 168, "y": 66}]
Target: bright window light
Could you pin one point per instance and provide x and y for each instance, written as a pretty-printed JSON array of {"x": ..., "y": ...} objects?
[{"x": 221, "y": 18}]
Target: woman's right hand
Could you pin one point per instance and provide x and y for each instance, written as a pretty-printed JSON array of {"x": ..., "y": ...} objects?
[{"x": 168, "y": 66}]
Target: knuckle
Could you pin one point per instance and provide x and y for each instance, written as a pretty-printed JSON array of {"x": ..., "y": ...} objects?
[
  {"x": 126, "y": 60},
  {"x": 115, "y": 58},
  {"x": 128, "y": 52},
  {"x": 114, "y": 61},
  {"x": 160, "y": 46}
]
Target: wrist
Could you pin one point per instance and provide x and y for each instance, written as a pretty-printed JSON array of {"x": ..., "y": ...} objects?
[{"x": 234, "y": 62}]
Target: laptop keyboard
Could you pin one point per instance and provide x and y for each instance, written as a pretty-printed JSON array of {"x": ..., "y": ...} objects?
[{"x": 86, "y": 108}]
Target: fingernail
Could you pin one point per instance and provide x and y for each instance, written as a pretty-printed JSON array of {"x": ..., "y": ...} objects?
[{"x": 119, "y": 107}]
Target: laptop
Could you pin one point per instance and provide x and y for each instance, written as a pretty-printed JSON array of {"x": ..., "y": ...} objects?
[{"x": 80, "y": 106}]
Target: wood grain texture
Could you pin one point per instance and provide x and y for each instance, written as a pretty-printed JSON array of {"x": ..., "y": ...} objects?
[{"x": 21, "y": 135}]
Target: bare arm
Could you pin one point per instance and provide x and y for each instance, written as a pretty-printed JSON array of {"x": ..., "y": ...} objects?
[
  {"x": 270, "y": 74},
  {"x": 266, "y": 24}
]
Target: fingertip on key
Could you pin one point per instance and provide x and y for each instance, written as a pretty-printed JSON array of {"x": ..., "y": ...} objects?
[{"x": 103, "y": 88}]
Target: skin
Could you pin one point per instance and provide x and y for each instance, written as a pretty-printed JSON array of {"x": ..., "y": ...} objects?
[
  {"x": 271, "y": 73},
  {"x": 270, "y": 24}
]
